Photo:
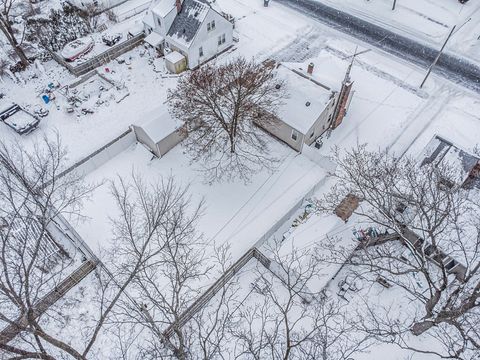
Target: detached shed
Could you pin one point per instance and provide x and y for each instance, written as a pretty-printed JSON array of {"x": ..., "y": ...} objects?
[
  {"x": 175, "y": 62},
  {"x": 160, "y": 134}
]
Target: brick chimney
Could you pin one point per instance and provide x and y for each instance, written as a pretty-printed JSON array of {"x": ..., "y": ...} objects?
[
  {"x": 178, "y": 3},
  {"x": 310, "y": 68}
]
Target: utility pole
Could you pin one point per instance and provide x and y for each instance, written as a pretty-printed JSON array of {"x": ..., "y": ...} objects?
[
  {"x": 452, "y": 32},
  {"x": 438, "y": 56}
]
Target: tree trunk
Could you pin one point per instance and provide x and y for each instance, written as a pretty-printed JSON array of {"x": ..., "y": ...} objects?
[
  {"x": 420, "y": 327},
  {"x": 8, "y": 31}
]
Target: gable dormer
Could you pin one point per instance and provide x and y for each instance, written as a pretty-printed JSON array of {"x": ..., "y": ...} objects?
[{"x": 164, "y": 13}]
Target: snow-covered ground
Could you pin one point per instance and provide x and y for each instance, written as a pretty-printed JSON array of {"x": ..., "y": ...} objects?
[
  {"x": 84, "y": 134},
  {"x": 388, "y": 111},
  {"x": 429, "y": 21},
  {"x": 235, "y": 213}
]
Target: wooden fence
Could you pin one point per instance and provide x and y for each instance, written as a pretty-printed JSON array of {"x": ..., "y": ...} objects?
[
  {"x": 188, "y": 314},
  {"x": 100, "y": 59},
  {"x": 12, "y": 330}
]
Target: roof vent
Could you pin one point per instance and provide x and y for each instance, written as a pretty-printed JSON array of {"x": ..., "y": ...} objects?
[
  {"x": 307, "y": 103},
  {"x": 278, "y": 86}
]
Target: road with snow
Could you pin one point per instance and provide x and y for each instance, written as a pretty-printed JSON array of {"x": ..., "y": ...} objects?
[{"x": 456, "y": 69}]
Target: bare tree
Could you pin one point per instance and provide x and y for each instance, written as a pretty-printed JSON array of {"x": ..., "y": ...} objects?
[
  {"x": 437, "y": 258},
  {"x": 293, "y": 321},
  {"x": 156, "y": 234},
  {"x": 6, "y": 11},
  {"x": 211, "y": 327},
  {"x": 92, "y": 12},
  {"x": 221, "y": 106},
  {"x": 32, "y": 262}
]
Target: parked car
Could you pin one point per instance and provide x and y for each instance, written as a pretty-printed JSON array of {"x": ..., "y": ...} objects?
[
  {"x": 111, "y": 39},
  {"x": 18, "y": 119}
]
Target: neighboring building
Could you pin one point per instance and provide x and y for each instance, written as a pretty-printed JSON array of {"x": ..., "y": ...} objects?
[
  {"x": 96, "y": 4},
  {"x": 310, "y": 110},
  {"x": 160, "y": 134},
  {"x": 191, "y": 28},
  {"x": 465, "y": 166}
]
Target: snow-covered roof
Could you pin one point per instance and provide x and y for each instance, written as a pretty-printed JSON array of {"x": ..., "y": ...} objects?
[
  {"x": 174, "y": 57},
  {"x": 160, "y": 125},
  {"x": 163, "y": 7},
  {"x": 188, "y": 21},
  {"x": 154, "y": 39},
  {"x": 306, "y": 100},
  {"x": 327, "y": 71},
  {"x": 439, "y": 150}
]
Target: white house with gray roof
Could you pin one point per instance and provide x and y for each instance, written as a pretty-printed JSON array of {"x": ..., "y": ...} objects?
[
  {"x": 307, "y": 112},
  {"x": 191, "y": 28}
]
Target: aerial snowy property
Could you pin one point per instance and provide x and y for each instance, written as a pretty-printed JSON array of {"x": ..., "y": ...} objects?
[{"x": 240, "y": 179}]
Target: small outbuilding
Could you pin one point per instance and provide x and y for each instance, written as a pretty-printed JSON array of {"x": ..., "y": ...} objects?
[
  {"x": 175, "y": 62},
  {"x": 160, "y": 134}
]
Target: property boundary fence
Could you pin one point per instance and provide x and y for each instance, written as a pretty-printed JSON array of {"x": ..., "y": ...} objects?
[
  {"x": 188, "y": 314},
  {"x": 293, "y": 210},
  {"x": 109, "y": 150},
  {"x": 12, "y": 330},
  {"x": 100, "y": 59}
]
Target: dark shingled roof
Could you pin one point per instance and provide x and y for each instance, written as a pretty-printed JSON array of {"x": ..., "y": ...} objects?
[{"x": 188, "y": 22}]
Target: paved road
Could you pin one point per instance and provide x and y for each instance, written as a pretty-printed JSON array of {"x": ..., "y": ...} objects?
[{"x": 456, "y": 69}]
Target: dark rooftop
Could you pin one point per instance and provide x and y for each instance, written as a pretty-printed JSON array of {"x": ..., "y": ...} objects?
[{"x": 188, "y": 22}]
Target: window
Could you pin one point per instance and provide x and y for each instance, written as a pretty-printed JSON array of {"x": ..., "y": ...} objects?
[
  {"x": 221, "y": 39},
  {"x": 200, "y": 51},
  {"x": 313, "y": 133},
  {"x": 294, "y": 135},
  {"x": 159, "y": 22},
  {"x": 211, "y": 25}
]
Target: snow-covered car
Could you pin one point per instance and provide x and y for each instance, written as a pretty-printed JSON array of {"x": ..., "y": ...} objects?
[
  {"x": 40, "y": 111},
  {"x": 76, "y": 48},
  {"x": 111, "y": 39},
  {"x": 18, "y": 119}
]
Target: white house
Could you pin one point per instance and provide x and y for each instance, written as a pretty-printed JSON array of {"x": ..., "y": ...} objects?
[
  {"x": 311, "y": 108},
  {"x": 191, "y": 28}
]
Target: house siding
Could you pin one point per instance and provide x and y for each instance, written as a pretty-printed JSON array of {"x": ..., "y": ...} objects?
[
  {"x": 322, "y": 123},
  {"x": 283, "y": 132},
  {"x": 208, "y": 40}
]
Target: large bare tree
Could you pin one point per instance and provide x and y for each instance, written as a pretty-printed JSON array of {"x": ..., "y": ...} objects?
[
  {"x": 7, "y": 7},
  {"x": 32, "y": 262},
  {"x": 295, "y": 320},
  {"x": 424, "y": 204},
  {"x": 154, "y": 239},
  {"x": 220, "y": 106}
]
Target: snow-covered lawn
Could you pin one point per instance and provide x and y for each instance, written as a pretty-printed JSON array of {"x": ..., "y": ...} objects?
[
  {"x": 235, "y": 213},
  {"x": 425, "y": 20}
]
